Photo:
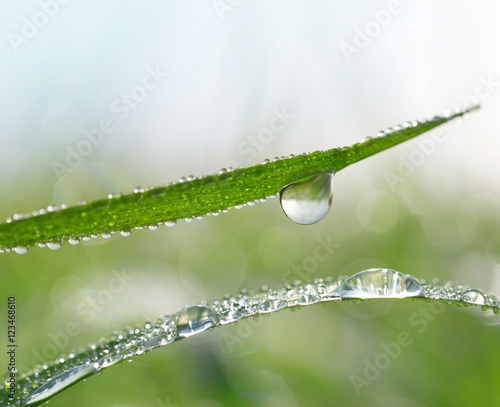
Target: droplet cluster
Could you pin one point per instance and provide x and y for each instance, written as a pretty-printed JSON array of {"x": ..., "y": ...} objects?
[
  {"x": 75, "y": 240},
  {"x": 47, "y": 380}
]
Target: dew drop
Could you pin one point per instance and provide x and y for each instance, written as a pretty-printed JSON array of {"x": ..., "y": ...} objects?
[
  {"x": 195, "y": 319},
  {"x": 53, "y": 246},
  {"x": 106, "y": 235},
  {"x": 229, "y": 316},
  {"x": 73, "y": 242},
  {"x": 379, "y": 283},
  {"x": 271, "y": 304},
  {"x": 61, "y": 381},
  {"x": 473, "y": 296},
  {"x": 125, "y": 234},
  {"x": 308, "y": 201},
  {"x": 170, "y": 223},
  {"x": 51, "y": 208},
  {"x": 152, "y": 227},
  {"x": 447, "y": 113},
  {"x": 160, "y": 340},
  {"x": 20, "y": 250}
]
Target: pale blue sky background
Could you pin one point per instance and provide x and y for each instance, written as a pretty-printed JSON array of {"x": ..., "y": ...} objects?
[{"x": 226, "y": 76}]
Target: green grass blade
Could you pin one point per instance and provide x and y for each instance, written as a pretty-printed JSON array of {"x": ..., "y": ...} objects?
[
  {"x": 46, "y": 381},
  {"x": 198, "y": 197}
]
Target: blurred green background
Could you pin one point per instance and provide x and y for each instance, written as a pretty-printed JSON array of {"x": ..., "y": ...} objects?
[
  {"x": 288, "y": 359},
  {"x": 430, "y": 210}
]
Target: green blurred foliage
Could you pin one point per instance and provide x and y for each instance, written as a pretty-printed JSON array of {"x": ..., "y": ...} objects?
[{"x": 302, "y": 358}]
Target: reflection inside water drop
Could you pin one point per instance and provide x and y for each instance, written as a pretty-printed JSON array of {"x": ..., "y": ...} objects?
[
  {"x": 379, "y": 283},
  {"x": 473, "y": 296},
  {"x": 307, "y": 202},
  {"x": 60, "y": 382},
  {"x": 195, "y": 319}
]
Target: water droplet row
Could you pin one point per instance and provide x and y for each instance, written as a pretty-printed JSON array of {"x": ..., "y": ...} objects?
[
  {"x": 447, "y": 114},
  {"x": 132, "y": 342}
]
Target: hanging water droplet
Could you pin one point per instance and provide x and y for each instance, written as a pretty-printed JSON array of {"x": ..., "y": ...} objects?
[
  {"x": 307, "y": 202},
  {"x": 73, "y": 242},
  {"x": 152, "y": 227},
  {"x": 20, "y": 250},
  {"x": 106, "y": 235},
  {"x": 61, "y": 381},
  {"x": 474, "y": 297},
  {"x": 195, "y": 319},
  {"x": 53, "y": 245},
  {"x": 170, "y": 223},
  {"x": 125, "y": 234},
  {"x": 379, "y": 283}
]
